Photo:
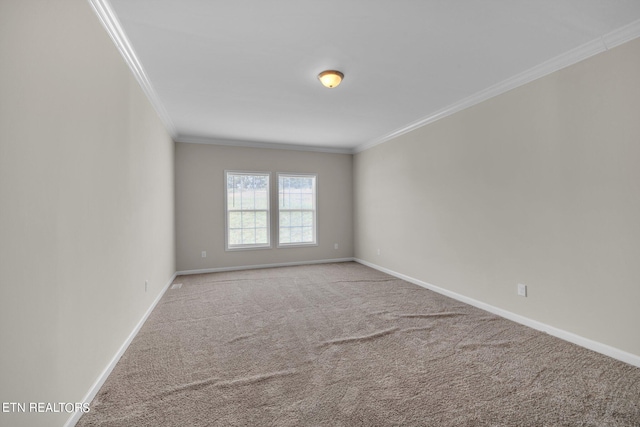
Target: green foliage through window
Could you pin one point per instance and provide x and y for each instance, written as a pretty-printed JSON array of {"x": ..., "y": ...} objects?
[
  {"x": 296, "y": 209},
  {"x": 247, "y": 197}
]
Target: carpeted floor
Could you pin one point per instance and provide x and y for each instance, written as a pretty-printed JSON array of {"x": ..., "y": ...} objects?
[{"x": 346, "y": 345}]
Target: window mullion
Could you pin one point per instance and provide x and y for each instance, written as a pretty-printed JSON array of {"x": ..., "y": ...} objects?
[
  {"x": 242, "y": 216},
  {"x": 297, "y": 224}
]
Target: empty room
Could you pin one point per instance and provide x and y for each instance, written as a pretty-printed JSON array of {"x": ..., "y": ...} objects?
[{"x": 292, "y": 213}]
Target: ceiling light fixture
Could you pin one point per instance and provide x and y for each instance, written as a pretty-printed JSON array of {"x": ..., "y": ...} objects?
[{"x": 330, "y": 78}]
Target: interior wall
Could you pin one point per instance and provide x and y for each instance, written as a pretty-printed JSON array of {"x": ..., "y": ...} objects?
[
  {"x": 87, "y": 193},
  {"x": 200, "y": 212},
  {"x": 539, "y": 186}
]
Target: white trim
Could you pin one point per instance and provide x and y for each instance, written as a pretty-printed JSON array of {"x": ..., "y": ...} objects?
[
  {"x": 580, "y": 53},
  {"x": 254, "y": 267},
  {"x": 73, "y": 419},
  {"x": 192, "y": 139},
  {"x": 314, "y": 210},
  {"x": 598, "y": 347},
  {"x": 247, "y": 247},
  {"x": 111, "y": 23},
  {"x": 610, "y": 40},
  {"x": 613, "y": 352},
  {"x": 622, "y": 35}
]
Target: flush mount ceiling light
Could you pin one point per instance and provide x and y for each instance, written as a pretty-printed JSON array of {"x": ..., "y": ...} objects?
[{"x": 330, "y": 78}]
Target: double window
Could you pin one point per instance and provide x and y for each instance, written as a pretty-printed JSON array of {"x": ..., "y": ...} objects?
[{"x": 248, "y": 213}]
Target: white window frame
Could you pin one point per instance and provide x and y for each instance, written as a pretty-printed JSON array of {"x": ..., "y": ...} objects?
[
  {"x": 315, "y": 209},
  {"x": 268, "y": 245}
]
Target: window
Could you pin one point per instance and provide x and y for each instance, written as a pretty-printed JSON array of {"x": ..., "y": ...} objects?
[
  {"x": 296, "y": 209},
  {"x": 247, "y": 206}
]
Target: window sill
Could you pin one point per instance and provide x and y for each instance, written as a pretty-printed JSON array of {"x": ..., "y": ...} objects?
[
  {"x": 247, "y": 248},
  {"x": 296, "y": 245}
]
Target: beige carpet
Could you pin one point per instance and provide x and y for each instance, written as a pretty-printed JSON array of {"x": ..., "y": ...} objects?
[{"x": 345, "y": 345}]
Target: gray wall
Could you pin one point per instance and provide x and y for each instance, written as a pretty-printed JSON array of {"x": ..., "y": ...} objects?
[
  {"x": 537, "y": 186},
  {"x": 540, "y": 186},
  {"x": 87, "y": 193},
  {"x": 200, "y": 204}
]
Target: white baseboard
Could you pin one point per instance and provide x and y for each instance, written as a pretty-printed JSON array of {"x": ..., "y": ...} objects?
[
  {"x": 607, "y": 350},
  {"x": 598, "y": 347},
  {"x": 253, "y": 267},
  {"x": 105, "y": 373}
]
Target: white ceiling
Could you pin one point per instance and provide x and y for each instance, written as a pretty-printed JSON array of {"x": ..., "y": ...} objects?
[{"x": 246, "y": 71}]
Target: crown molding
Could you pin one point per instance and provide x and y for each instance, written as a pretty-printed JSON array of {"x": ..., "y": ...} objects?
[
  {"x": 193, "y": 139},
  {"x": 108, "y": 18},
  {"x": 608, "y": 41},
  {"x": 602, "y": 44},
  {"x": 622, "y": 35}
]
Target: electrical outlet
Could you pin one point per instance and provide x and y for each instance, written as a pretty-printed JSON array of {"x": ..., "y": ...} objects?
[
  {"x": 146, "y": 285},
  {"x": 204, "y": 254},
  {"x": 378, "y": 251},
  {"x": 335, "y": 246},
  {"x": 522, "y": 290}
]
